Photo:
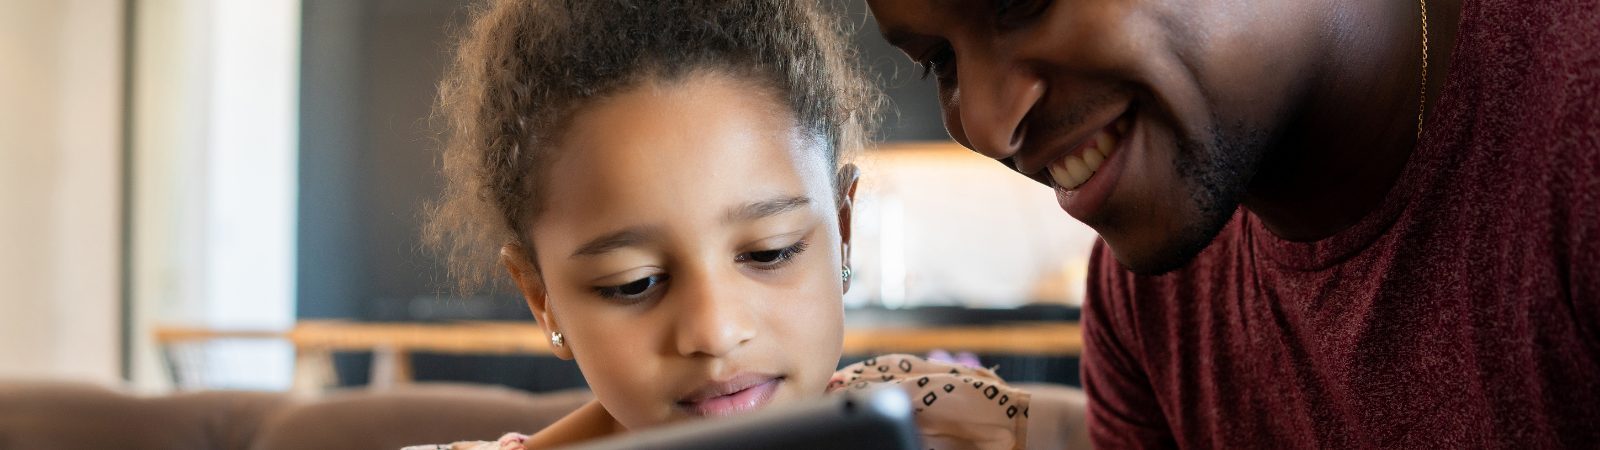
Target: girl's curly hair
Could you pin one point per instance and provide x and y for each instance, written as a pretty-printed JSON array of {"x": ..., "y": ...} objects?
[{"x": 523, "y": 67}]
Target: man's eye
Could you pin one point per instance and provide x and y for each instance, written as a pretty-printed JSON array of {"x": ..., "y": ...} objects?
[
  {"x": 772, "y": 259},
  {"x": 941, "y": 62},
  {"x": 633, "y": 290},
  {"x": 1012, "y": 14}
]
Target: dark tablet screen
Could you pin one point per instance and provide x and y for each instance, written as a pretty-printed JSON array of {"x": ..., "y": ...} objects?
[{"x": 878, "y": 419}]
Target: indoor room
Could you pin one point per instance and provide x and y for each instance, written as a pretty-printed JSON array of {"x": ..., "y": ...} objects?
[{"x": 798, "y": 224}]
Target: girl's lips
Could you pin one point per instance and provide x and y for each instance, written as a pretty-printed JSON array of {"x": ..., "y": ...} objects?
[{"x": 739, "y": 394}]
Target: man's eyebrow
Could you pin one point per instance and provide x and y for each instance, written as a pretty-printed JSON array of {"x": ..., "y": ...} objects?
[
  {"x": 897, "y": 38},
  {"x": 630, "y": 237},
  {"x": 766, "y": 208},
  {"x": 897, "y": 34}
]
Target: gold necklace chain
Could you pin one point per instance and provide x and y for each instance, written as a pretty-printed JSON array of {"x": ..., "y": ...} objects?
[{"x": 1422, "y": 101}]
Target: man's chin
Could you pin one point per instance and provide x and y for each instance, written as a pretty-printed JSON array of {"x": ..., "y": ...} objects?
[
  {"x": 1168, "y": 226},
  {"x": 1150, "y": 263},
  {"x": 1161, "y": 256}
]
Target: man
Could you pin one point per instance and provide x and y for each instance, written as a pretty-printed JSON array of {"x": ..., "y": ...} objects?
[{"x": 1315, "y": 233}]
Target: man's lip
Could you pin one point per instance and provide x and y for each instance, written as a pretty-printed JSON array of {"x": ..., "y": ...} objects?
[
  {"x": 726, "y": 386},
  {"x": 1086, "y": 200},
  {"x": 1033, "y": 161}
]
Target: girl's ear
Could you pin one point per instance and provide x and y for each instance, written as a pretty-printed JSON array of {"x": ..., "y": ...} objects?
[
  {"x": 848, "y": 177},
  {"x": 531, "y": 284}
]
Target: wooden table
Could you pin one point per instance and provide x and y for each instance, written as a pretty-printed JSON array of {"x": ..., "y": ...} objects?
[{"x": 392, "y": 344}]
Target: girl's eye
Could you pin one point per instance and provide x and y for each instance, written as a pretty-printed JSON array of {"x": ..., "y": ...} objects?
[
  {"x": 772, "y": 259},
  {"x": 940, "y": 62},
  {"x": 632, "y": 291}
]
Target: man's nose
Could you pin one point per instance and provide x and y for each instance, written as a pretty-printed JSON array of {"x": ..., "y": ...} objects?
[
  {"x": 987, "y": 112},
  {"x": 713, "y": 317}
]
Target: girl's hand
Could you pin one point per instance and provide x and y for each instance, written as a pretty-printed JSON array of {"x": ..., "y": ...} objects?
[
  {"x": 512, "y": 441},
  {"x": 957, "y": 406}
]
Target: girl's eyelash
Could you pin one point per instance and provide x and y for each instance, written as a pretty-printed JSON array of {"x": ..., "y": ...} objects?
[
  {"x": 779, "y": 257},
  {"x": 625, "y": 293},
  {"x": 638, "y": 290}
]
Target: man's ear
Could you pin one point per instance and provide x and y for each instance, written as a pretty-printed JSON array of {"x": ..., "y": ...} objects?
[
  {"x": 531, "y": 284},
  {"x": 848, "y": 177}
]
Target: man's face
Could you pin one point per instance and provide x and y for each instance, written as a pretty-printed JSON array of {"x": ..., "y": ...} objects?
[{"x": 1147, "y": 117}]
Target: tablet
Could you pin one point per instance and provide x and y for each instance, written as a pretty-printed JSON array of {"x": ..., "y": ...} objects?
[{"x": 878, "y": 419}]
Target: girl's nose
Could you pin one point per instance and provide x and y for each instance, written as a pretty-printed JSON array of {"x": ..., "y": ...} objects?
[{"x": 713, "y": 318}]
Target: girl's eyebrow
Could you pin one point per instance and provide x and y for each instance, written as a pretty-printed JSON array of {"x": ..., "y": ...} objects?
[
  {"x": 635, "y": 236},
  {"x": 765, "y": 208},
  {"x": 629, "y": 237}
]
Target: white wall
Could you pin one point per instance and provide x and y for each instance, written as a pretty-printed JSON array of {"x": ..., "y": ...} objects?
[
  {"x": 993, "y": 240},
  {"x": 215, "y": 103},
  {"x": 212, "y": 195},
  {"x": 213, "y": 207},
  {"x": 60, "y": 188}
]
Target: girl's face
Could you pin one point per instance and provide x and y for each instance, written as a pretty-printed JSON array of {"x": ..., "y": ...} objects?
[{"x": 689, "y": 252}]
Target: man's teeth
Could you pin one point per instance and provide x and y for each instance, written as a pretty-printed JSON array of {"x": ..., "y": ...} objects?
[
  {"x": 1078, "y": 170},
  {"x": 1072, "y": 171},
  {"x": 1092, "y": 159}
]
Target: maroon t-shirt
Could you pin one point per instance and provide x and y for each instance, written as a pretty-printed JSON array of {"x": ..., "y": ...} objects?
[{"x": 1463, "y": 312}]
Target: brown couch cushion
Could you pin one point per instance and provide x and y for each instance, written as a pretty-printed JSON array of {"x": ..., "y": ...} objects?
[
  {"x": 412, "y": 415},
  {"x": 55, "y": 415}
]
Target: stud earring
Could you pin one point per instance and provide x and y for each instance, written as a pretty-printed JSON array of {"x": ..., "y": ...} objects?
[
  {"x": 844, "y": 273},
  {"x": 557, "y": 340}
]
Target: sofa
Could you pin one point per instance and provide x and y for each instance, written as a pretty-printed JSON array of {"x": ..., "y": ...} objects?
[{"x": 60, "y": 415}]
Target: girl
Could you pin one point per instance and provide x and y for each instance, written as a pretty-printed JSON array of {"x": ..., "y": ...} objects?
[{"x": 664, "y": 183}]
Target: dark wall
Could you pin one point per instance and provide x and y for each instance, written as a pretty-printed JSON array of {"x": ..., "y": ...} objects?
[
  {"x": 367, "y": 159},
  {"x": 913, "y": 110}
]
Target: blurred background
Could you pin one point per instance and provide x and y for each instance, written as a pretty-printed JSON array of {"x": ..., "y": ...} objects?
[{"x": 200, "y": 195}]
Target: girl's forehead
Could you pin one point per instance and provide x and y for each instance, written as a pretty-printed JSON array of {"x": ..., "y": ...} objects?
[{"x": 687, "y": 148}]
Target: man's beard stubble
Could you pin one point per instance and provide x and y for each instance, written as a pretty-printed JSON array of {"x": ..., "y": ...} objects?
[{"x": 1217, "y": 174}]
